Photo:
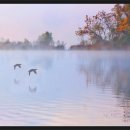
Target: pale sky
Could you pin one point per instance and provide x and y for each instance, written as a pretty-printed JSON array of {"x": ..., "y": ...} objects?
[{"x": 19, "y": 21}]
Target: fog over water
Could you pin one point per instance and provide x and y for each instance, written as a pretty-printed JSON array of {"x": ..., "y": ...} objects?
[{"x": 70, "y": 88}]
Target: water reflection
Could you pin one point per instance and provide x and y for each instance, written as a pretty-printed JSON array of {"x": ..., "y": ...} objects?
[
  {"x": 58, "y": 95},
  {"x": 16, "y": 81},
  {"x": 95, "y": 73},
  {"x": 32, "y": 89},
  {"x": 43, "y": 62},
  {"x": 113, "y": 74},
  {"x": 126, "y": 110}
]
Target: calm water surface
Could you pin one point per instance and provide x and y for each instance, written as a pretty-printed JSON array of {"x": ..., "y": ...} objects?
[{"x": 71, "y": 88}]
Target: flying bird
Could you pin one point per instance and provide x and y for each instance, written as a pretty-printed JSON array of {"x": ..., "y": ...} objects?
[
  {"x": 32, "y": 70},
  {"x": 17, "y": 65}
]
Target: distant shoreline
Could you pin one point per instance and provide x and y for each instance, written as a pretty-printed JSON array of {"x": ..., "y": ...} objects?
[
  {"x": 79, "y": 47},
  {"x": 100, "y": 46},
  {"x": 65, "y": 50}
]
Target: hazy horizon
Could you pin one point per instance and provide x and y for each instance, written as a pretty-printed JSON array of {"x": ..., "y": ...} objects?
[{"x": 19, "y": 21}]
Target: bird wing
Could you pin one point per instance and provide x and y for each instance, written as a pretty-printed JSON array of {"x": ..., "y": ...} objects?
[
  {"x": 14, "y": 67},
  {"x": 29, "y": 72}
]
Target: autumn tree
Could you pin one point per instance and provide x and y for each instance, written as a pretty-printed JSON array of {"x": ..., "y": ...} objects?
[
  {"x": 122, "y": 15},
  {"x": 99, "y": 27}
]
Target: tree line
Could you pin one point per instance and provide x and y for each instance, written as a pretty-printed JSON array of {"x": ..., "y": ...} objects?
[{"x": 44, "y": 41}]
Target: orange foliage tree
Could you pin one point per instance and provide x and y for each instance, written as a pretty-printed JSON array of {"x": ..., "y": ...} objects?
[
  {"x": 123, "y": 23},
  {"x": 122, "y": 17},
  {"x": 99, "y": 26},
  {"x": 107, "y": 26}
]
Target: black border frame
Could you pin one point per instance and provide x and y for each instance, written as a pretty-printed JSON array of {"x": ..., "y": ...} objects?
[
  {"x": 61, "y": 1},
  {"x": 64, "y": 2}
]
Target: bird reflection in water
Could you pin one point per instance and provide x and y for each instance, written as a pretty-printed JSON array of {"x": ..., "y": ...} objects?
[
  {"x": 16, "y": 81},
  {"x": 32, "y": 89}
]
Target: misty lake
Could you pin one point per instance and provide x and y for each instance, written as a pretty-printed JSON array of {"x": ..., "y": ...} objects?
[{"x": 70, "y": 88}]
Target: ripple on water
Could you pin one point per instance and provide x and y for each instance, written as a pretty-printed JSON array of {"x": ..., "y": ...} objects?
[{"x": 66, "y": 99}]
